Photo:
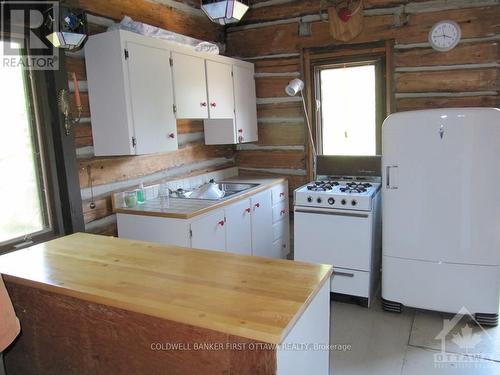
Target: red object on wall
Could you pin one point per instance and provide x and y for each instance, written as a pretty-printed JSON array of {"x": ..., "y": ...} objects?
[{"x": 345, "y": 14}]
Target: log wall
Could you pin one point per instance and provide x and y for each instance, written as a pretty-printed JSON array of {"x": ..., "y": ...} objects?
[
  {"x": 423, "y": 78},
  {"x": 111, "y": 174}
]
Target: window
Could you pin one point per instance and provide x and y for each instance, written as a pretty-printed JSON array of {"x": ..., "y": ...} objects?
[
  {"x": 348, "y": 110},
  {"x": 25, "y": 204},
  {"x": 350, "y": 107}
]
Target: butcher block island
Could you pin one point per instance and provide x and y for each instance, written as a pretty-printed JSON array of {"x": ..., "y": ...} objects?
[{"x": 92, "y": 304}]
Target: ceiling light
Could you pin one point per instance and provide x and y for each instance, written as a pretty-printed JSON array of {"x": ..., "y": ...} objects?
[{"x": 224, "y": 12}]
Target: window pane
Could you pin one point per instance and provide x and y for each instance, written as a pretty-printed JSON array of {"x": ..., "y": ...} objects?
[
  {"x": 348, "y": 110},
  {"x": 23, "y": 203}
]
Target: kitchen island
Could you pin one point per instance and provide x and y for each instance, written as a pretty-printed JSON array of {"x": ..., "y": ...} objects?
[{"x": 101, "y": 305}]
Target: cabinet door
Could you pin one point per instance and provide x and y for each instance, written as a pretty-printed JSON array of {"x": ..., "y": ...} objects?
[
  {"x": 209, "y": 232},
  {"x": 190, "y": 86},
  {"x": 262, "y": 224},
  {"x": 239, "y": 228},
  {"x": 220, "y": 90},
  {"x": 245, "y": 104},
  {"x": 151, "y": 99}
]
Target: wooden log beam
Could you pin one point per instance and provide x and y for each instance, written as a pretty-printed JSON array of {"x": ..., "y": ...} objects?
[
  {"x": 469, "y": 53},
  {"x": 284, "y": 38},
  {"x": 408, "y": 104},
  {"x": 281, "y": 134},
  {"x": 271, "y": 159},
  {"x": 156, "y": 14},
  {"x": 112, "y": 169},
  {"x": 447, "y": 81}
]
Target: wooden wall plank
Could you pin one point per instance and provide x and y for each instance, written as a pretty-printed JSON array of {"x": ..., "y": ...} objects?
[
  {"x": 448, "y": 81},
  {"x": 83, "y": 135},
  {"x": 77, "y": 66},
  {"x": 470, "y": 53},
  {"x": 271, "y": 159},
  {"x": 189, "y": 126},
  {"x": 271, "y": 87},
  {"x": 408, "y": 104},
  {"x": 156, "y": 14},
  {"x": 281, "y": 134},
  {"x": 284, "y": 38},
  {"x": 280, "y": 110},
  {"x": 286, "y": 65},
  {"x": 112, "y": 169}
]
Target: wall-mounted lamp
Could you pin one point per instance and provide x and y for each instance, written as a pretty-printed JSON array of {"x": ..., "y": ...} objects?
[
  {"x": 64, "y": 102},
  {"x": 224, "y": 11},
  {"x": 294, "y": 87}
]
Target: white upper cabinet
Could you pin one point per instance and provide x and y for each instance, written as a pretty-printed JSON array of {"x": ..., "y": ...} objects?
[
  {"x": 220, "y": 90},
  {"x": 242, "y": 127},
  {"x": 190, "y": 86},
  {"x": 245, "y": 104},
  {"x": 130, "y": 94},
  {"x": 153, "y": 116}
]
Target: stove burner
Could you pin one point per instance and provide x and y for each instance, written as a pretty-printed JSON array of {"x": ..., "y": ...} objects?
[
  {"x": 355, "y": 187},
  {"x": 322, "y": 185},
  {"x": 353, "y": 190}
]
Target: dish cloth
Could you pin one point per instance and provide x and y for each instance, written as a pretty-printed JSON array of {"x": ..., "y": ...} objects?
[{"x": 9, "y": 324}]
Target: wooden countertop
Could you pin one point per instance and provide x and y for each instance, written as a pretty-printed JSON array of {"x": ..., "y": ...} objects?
[
  {"x": 252, "y": 297},
  {"x": 179, "y": 208}
]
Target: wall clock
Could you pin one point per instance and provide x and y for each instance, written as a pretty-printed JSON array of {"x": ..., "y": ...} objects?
[{"x": 445, "y": 35}]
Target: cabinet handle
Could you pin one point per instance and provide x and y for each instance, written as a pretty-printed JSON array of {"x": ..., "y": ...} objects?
[
  {"x": 344, "y": 274},
  {"x": 282, "y": 212},
  {"x": 171, "y": 135},
  {"x": 240, "y": 139},
  {"x": 214, "y": 104},
  {"x": 282, "y": 194},
  {"x": 240, "y": 130},
  {"x": 221, "y": 223},
  {"x": 248, "y": 210},
  {"x": 203, "y": 104},
  {"x": 257, "y": 205}
]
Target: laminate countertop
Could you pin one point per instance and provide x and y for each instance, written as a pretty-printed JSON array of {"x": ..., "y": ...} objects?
[
  {"x": 247, "y": 296},
  {"x": 180, "y": 208}
]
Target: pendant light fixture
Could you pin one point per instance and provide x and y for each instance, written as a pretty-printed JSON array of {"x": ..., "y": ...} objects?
[{"x": 224, "y": 12}]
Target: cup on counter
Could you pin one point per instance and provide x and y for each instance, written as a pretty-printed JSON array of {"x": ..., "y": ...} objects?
[
  {"x": 164, "y": 195},
  {"x": 130, "y": 198}
]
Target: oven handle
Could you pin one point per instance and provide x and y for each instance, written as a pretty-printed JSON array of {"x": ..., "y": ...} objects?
[
  {"x": 345, "y": 274},
  {"x": 334, "y": 213}
]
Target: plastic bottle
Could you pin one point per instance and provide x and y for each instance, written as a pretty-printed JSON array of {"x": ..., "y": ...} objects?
[{"x": 140, "y": 194}]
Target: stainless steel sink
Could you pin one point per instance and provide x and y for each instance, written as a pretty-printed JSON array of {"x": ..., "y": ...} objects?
[{"x": 229, "y": 189}]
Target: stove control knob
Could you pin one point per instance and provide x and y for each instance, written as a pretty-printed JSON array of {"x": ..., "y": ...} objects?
[
  {"x": 343, "y": 201},
  {"x": 354, "y": 202},
  {"x": 318, "y": 200},
  {"x": 331, "y": 201},
  {"x": 309, "y": 199}
]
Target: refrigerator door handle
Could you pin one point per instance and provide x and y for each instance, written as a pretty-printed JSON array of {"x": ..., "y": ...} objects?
[{"x": 388, "y": 182}]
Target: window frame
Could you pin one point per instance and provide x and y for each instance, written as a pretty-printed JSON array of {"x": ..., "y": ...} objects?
[
  {"x": 56, "y": 159},
  {"x": 378, "y": 63},
  {"x": 315, "y": 58}
]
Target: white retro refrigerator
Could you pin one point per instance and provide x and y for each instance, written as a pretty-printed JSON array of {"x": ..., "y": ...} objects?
[{"x": 441, "y": 211}]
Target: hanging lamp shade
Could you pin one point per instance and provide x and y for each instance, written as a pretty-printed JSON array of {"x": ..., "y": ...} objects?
[{"x": 225, "y": 11}]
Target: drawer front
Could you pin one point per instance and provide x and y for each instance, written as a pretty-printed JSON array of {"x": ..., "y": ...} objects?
[
  {"x": 280, "y": 211},
  {"x": 281, "y": 229},
  {"x": 280, "y": 193},
  {"x": 354, "y": 283}
]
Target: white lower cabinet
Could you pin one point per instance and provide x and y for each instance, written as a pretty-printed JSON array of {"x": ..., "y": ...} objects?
[
  {"x": 239, "y": 227},
  {"x": 209, "y": 231},
  {"x": 250, "y": 226},
  {"x": 262, "y": 224}
]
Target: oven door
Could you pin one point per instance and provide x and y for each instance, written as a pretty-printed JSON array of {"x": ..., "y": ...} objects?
[{"x": 341, "y": 238}]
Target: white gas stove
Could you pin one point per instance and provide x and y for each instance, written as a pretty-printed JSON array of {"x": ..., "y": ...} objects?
[
  {"x": 339, "y": 192},
  {"x": 337, "y": 222}
]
